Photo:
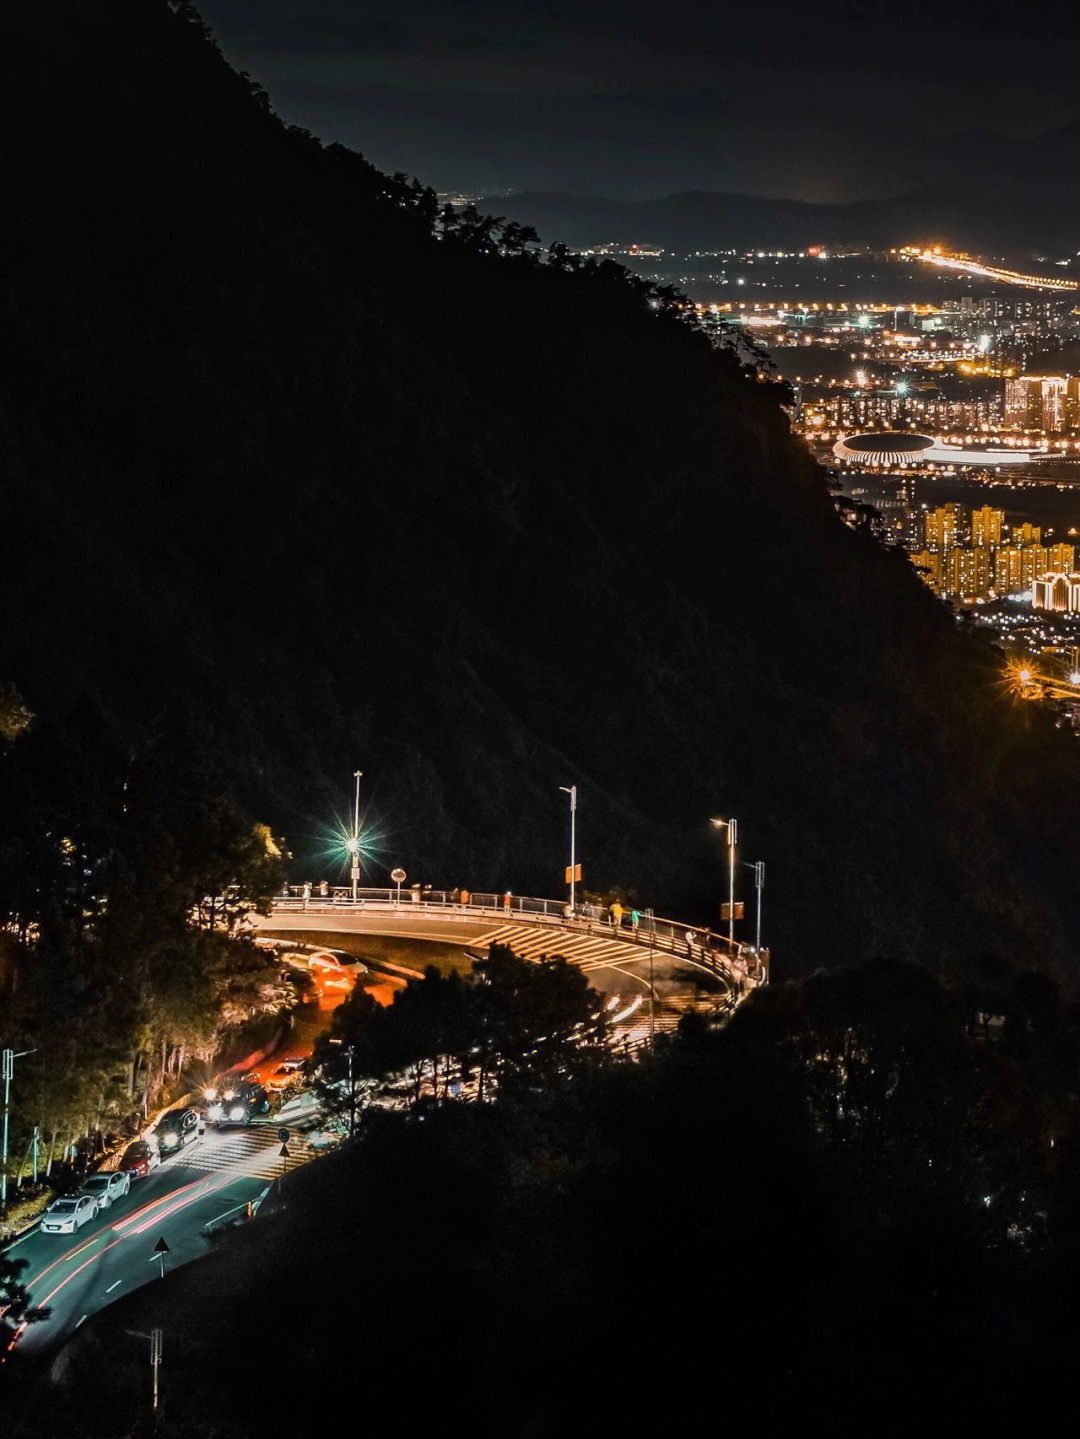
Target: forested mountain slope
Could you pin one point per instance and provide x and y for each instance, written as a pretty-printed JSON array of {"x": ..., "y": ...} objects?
[{"x": 277, "y": 456}]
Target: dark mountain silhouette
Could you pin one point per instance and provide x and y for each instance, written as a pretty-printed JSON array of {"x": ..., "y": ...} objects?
[
  {"x": 278, "y": 455},
  {"x": 1042, "y": 213}
]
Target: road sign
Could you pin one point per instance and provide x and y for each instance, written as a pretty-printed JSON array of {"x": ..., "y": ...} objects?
[
  {"x": 725, "y": 910},
  {"x": 283, "y": 1135},
  {"x": 575, "y": 874},
  {"x": 283, "y": 1154},
  {"x": 161, "y": 1249}
]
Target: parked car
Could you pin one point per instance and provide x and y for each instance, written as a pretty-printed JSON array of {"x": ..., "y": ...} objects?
[
  {"x": 107, "y": 1188},
  {"x": 286, "y": 1072},
  {"x": 64, "y": 1216},
  {"x": 141, "y": 1157},
  {"x": 176, "y": 1130}
]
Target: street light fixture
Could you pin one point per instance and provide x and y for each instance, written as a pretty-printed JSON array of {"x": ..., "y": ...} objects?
[
  {"x": 571, "y": 790},
  {"x": 732, "y": 830},
  {"x": 10, "y": 1056},
  {"x": 353, "y": 845},
  {"x": 352, "y": 1090},
  {"x": 759, "y": 884}
]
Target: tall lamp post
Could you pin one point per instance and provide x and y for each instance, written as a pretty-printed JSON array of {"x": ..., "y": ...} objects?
[
  {"x": 9, "y": 1073},
  {"x": 571, "y": 790},
  {"x": 348, "y": 1048},
  {"x": 759, "y": 884},
  {"x": 731, "y": 827},
  {"x": 354, "y": 843}
]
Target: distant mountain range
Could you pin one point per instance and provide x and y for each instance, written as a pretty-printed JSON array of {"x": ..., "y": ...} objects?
[{"x": 1026, "y": 201}]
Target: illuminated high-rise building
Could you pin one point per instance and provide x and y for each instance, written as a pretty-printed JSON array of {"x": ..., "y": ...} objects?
[
  {"x": 1036, "y": 402},
  {"x": 929, "y": 563},
  {"x": 986, "y": 526},
  {"x": 1056, "y": 591},
  {"x": 944, "y": 527},
  {"x": 1061, "y": 558},
  {"x": 967, "y": 573},
  {"x": 1033, "y": 562},
  {"x": 1007, "y": 573},
  {"x": 1027, "y": 534}
]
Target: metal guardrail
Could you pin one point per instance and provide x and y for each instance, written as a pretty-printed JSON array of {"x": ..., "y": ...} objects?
[{"x": 703, "y": 946}]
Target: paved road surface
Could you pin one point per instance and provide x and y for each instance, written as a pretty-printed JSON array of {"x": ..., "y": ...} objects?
[
  {"x": 615, "y": 963},
  {"x": 76, "y": 1274}
]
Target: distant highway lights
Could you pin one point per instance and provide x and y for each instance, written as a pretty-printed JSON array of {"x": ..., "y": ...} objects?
[{"x": 732, "y": 835}]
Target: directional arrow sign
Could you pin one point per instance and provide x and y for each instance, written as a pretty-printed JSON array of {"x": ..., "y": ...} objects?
[{"x": 161, "y": 1249}]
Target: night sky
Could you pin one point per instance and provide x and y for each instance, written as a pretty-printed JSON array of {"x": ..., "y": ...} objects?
[{"x": 636, "y": 99}]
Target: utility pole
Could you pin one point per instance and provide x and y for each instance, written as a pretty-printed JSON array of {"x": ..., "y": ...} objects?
[
  {"x": 9, "y": 1073},
  {"x": 571, "y": 790},
  {"x": 355, "y": 845}
]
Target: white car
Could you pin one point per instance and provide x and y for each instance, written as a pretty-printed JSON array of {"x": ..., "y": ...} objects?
[
  {"x": 107, "y": 1188},
  {"x": 64, "y": 1216}
]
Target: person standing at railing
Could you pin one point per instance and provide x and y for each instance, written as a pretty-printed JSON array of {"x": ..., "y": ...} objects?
[
  {"x": 506, "y": 904},
  {"x": 616, "y": 915},
  {"x": 307, "y": 893}
]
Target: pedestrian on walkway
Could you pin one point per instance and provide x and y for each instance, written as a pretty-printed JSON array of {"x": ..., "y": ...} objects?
[
  {"x": 506, "y": 903},
  {"x": 616, "y": 915}
]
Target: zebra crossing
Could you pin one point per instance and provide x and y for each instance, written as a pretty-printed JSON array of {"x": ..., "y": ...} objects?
[
  {"x": 253, "y": 1151},
  {"x": 536, "y": 941},
  {"x": 594, "y": 952}
]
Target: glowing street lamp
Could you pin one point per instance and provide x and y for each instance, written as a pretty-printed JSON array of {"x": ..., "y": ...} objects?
[
  {"x": 353, "y": 843},
  {"x": 571, "y": 790},
  {"x": 731, "y": 827},
  {"x": 9, "y": 1058}
]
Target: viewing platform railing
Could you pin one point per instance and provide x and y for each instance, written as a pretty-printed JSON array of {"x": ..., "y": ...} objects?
[{"x": 702, "y": 946}]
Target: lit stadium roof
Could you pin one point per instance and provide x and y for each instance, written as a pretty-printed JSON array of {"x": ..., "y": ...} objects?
[{"x": 887, "y": 449}]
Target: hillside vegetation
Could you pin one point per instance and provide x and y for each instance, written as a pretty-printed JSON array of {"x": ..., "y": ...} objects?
[{"x": 474, "y": 518}]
